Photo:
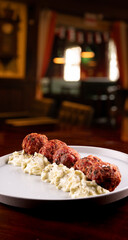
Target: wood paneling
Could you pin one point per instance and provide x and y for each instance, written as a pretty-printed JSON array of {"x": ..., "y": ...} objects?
[
  {"x": 17, "y": 94},
  {"x": 78, "y": 22}
]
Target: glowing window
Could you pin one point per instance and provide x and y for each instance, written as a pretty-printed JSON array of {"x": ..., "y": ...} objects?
[
  {"x": 72, "y": 64},
  {"x": 113, "y": 62}
]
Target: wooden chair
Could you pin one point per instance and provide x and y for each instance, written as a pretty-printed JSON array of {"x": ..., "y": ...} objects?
[
  {"x": 75, "y": 115},
  {"x": 44, "y": 107}
]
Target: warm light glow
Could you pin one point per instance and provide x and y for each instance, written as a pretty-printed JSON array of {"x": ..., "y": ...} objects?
[
  {"x": 113, "y": 62},
  {"x": 92, "y": 64},
  {"x": 87, "y": 54},
  {"x": 72, "y": 64},
  {"x": 58, "y": 60}
]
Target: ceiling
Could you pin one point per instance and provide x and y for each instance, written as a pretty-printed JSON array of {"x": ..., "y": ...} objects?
[{"x": 110, "y": 9}]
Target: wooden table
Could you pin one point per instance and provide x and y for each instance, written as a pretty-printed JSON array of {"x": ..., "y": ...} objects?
[{"x": 66, "y": 220}]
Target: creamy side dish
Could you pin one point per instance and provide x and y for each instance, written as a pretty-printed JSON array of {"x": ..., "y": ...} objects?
[
  {"x": 70, "y": 180},
  {"x": 32, "y": 164},
  {"x": 64, "y": 178}
]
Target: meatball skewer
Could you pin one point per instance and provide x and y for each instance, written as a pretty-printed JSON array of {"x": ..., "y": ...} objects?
[
  {"x": 105, "y": 174},
  {"x": 66, "y": 155},
  {"x": 50, "y": 148},
  {"x": 33, "y": 142}
]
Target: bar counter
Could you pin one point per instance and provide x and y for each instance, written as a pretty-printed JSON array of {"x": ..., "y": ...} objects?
[{"x": 65, "y": 220}]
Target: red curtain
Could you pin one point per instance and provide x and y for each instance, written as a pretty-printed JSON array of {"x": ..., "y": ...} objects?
[
  {"x": 49, "y": 43},
  {"x": 46, "y": 33},
  {"x": 119, "y": 35}
]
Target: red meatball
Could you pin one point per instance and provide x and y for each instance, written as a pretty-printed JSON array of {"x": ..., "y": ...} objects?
[
  {"x": 66, "y": 155},
  {"x": 50, "y": 147},
  {"x": 33, "y": 142},
  {"x": 105, "y": 174}
]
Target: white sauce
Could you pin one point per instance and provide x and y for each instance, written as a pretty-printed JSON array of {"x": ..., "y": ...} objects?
[
  {"x": 64, "y": 178},
  {"x": 32, "y": 164},
  {"x": 70, "y": 180}
]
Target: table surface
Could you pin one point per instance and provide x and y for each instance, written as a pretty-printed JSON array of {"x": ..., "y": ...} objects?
[{"x": 72, "y": 220}]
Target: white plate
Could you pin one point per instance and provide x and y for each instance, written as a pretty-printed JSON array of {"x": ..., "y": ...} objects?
[{"x": 24, "y": 190}]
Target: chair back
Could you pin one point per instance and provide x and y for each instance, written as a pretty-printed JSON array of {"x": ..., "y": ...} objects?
[
  {"x": 75, "y": 115},
  {"x": 44, "y": 107}
]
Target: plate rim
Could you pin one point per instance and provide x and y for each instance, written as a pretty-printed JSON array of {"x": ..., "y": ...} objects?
[{"x": 97, "y": 199}]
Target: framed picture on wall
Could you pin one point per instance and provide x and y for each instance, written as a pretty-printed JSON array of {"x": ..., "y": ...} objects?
[{"x": 13, "y": 39}]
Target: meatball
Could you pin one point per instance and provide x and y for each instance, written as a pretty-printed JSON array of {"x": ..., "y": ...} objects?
[
  {"x": 105, "y": 174},
  {"x": 50, "y": 147},
  {"x": 33, "y": 142},
  {"x": 66, "y": 155}
]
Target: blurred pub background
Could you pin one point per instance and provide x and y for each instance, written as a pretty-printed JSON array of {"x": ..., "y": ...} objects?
[{"x": 67, "y": 51}]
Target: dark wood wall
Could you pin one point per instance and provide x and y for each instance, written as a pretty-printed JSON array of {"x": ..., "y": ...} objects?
[{"x": 17, "y": 94}]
